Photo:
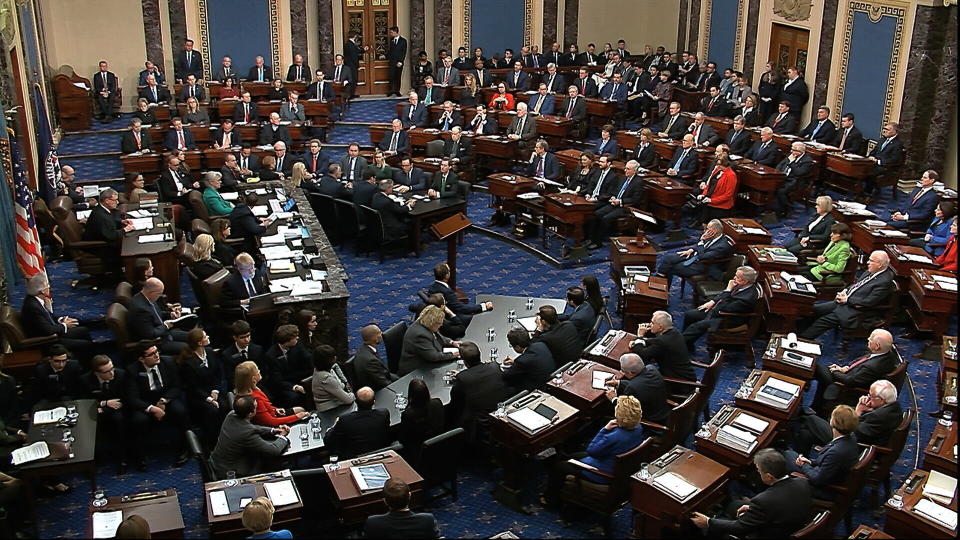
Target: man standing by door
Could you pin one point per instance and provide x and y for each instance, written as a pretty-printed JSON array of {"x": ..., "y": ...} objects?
[{"x": 396, "y": 55}]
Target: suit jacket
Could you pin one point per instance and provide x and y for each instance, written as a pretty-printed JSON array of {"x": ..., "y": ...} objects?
[
  {"x": 855, "y": 143},
  {"x": 230, "y": 356},
  {"x": 391, "y": 213},
  {"x": 529, "y": 128},
  {"x": 651, "y": 390},
  {"x": 551, "y": 167},
  {"x": 172, "y": 141},
  {"x": 329, "y": 185},
  {"x": 587, "y": 87},
  {"x": 476, "y": 392},
  {"x": 777, "y": 512},
  {"x": 820, "y": 232},
  {"x": 878, "y": 425},
  {"x": 832, "y": 463},
  {"x": 422, "y": 348},
  {"x": 563, "y": 340},
  {"x": 234, "y": 289},
  {"x": 254, "y": 74},
  {"x": 198, "y": 92},
  {"x": 448, "y": 189},
  {"x": 351, "y": 54},
  {"x": 194, "y": 66},
  {"x": 740, "y": 300},
  {"x": 99, "y": 86},
  {"x": 285, "y": 369},
  {"x": 416, "y": 179},
  {"x": 646, "y": 157},
  {"x": 290, "y": 113},
  {"x": 546, "y": 107},
  {"x": 37, "y": 321},
  {"x": 162, "y": 96},
  {"x": 244, "y": 224},
  {"x": 346, "y": 74},
  {"x": 864, "y": 298},
  {"x": 608, "y": 93},
  {"x": 869, "y": 371},
  {"x": 799, "y": 170},
  {"x": 91, "y": 387},
  {"x": 139, "y": 395},
  {"x": 436, "y": 95},
  {"x": 157, "y": 75},
  {"x": 768, "y": 156},
  {"x": 922, "y": 208},
  {"x": 233, "y": 137},
  {"x": 419, "y": 118},
  {"x": 238, "y": 112},
  {"x": 787, "y": 125},
  {"x": 740, "y": 145},
  {"x": 825, "y": 134},
  {"x": 268, "y": 135},
  {"x": 223, "y": 73},
  {"x": 359, "y": 432},
  {"x": 579, "y": 111},
  {"x": 145, "y": 320},
  {"x": 462, "y": 149},
  {"x": 199, "y": 381},
  {"x": 669, "y": 351},
  {"x": 557, "y": 85},
  {"x": 57, "y": 386},
  {"x": 707, "y": 135},
  {"x": 253, "y": 163},
  {"x": 688, "y": 167},
  {"x": 796, "y": 93},
  {"x": 610, "y": 184},
  {"x": 401, "y": 524},
  {"x": 360, "y": 165},
  {"x": 607, "y": 147},
  {"x": 583, "y": 317},
  {"x": 451, "y": 73},
  {"x": 677, "y": 130},
  {"x": 322, "y": 162},
  {"x": 314, "y": 91},
  {"x": 362, "y": 192},
  {"x": 751, "y": 117},
  {"x": 531, "y": 369},
  {"x": 484, "y": 79},
  {"x": 103, "y": 225},
  {"x": 397, "y": 50},
  {"x": 305, "y": 73},
  {"x": 370, "y": 370},
  {"x": 715, "y": 107},
  {"x": 403, "y": 142},
  {"x": 631, "y": 194},
  {"x": 241, "y": 444},
  {"x": 517, "y": 80}
]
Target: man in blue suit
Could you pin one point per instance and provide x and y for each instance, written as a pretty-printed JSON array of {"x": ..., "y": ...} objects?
[
  {"x": 713, "y": 244},
  {"x": 441, "y": 276},
  {"x": 541, "y": 102},
  {"x": 543, "y": 164},
  {"x": 316, "y": 160},
  {"x": 395, "y": 141},
  {"x": 888, "y": 155},
  {"x": 179, "y": 138},
  {"x": 414, "y": 113},
  {"x": 409, "y": 176},
  {"x": 532, "y": 368},
  {"x": 583, "y": 316},
  {"x": 615, "y": 90},
  {"x": 150, "y": 69},
  {"x": 921, "y": 203},
  {"x": 518, "y": 79},
  {"x": 835, "y": 459},
  {"x": 685, "y": 160},
  {"x": 765, "y": 150},
  {"x": 740, "y": 296}
]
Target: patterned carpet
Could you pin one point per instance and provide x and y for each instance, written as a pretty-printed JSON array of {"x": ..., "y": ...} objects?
[{"x": 380, "y": 294}]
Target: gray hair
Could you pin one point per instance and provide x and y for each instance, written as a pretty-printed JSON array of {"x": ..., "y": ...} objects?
[
  {"x": 885, "y": 390},
  {"x": 766, "y": 131},
  {"x": 385, "y": 184},
  {"x": 749, "y": 273},
  {"x": 521, "y": 106},
  {"x": 37, "y": 283},
  {"x": 631, "y": 363},
  {"x": 663, "y": 318},
  {"x": 108, "y": 193},
  {"x": 716, "y": 225},
  {"x": 211, "y": 176},
  {"x": 771, "y": 462}
]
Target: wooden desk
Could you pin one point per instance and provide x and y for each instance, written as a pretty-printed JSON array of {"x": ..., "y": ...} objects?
[
  {"x": 569, "y": 212},
  {"x": 849, "y": 171},
  {"x": 161, "y": 510},
  {"x": 610, "y": 347},
  {"x": 419, "y": 137},
  {"x": 784, "y": 306},
  {"x": 689, "y": 100},
  {"x": 657, "y": 512},
  {"x": 665, "y": 148},
  {"x": 866, "y": 533},
  {"x": 498, "y": 149},
  {"x": 930, "y": 303},
  {"x": 869, "y": 238},
  {"x": 905, "y": 523},
  {"x": 938, "y": 454},
  {"x": 738, "y": 459},
  {"x": 353, "y": 506},
  {"x": 773, "y": 359},
  {"x": 426, "y": 212},
  {"x": 643, "y": 299},
  {"x": 230, "y": 523},
  {"x": 665, "y": 198},
  {"x": 758, "y": 182},
  {"x": 631, "y": 251},
  {"x": 903, "y": 265},
  {"x": 145, "y": 164},
  {"x": 577, "y": 389},
  {"x": 570, "y": 161},
  {"x": 165, "y": 264},
  {"x": 947, "y": 381},
  {"x": 74, "y": 103},
  {"x": 761, "y": 258},
  {"x": 746, "y": 397},
  {"x": 849, "y": 215},
  {"x": 737, "y": 230}
]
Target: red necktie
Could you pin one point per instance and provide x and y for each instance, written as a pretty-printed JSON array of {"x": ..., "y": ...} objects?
[
  {"x": 180, "y": 138},
  {"x": 917, "y": 196},
  {"x": 137, "y": 137},
  {"x": 858, "y": 361},
  {"x": 246, "y": 112},
  {"x": 314, "y": 163},
  {"x": 776, "y": 121}
]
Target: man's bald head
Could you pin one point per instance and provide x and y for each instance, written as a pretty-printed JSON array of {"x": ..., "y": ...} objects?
[
  {"x": 882, "y": 340},
  {"x": 365, "y": 398},
  {"x": 370, "y": 334},
  {"x": 152, "y": 289}
]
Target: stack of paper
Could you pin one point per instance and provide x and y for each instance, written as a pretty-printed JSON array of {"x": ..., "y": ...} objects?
[
  {"x": 937, "y": 513},
  {"x": 802, "y": 346},
  {"x": 230, "y": 195},
  {"x": 946, "y": 282},
  {"x": 600, "y": 378},
  {"x": 528, "y": 419},
  {"x": 105, "y": 524},
  {"x": 150, "y": 238},
  {"x": 676, "y": 485},
  {"x": 306, "y": 288},
  {"x": 284, "y": 284},
  {"x": 260, "y": 211},
  {"x": 50, "y": 416},
  {"x": 917, "y": 258},
  {"x": 218, "y": 503},
  {"x": 370, "y": 477},
  {"x": 736, "y": 438},
  {"x": 281, "y": 493},
  {"x": 777, "y": 393},
  {"x": 142, "y": 224},
  {"x": 892, "y": 233},
  {"x": 754, "y": 230},
  {"x": 277, "y": 252},
  {"x": 281, "y": 266},
  {"x": 750, "y": 422},
  {"x": 33, "y": 452},
  {"x": 139, "y": 214},
  {"x": 940, "y": 487}
]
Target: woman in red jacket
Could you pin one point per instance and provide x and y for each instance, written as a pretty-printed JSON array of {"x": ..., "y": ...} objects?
[
  {"x": 246, "y": 376},
  {"x": 948, "y": 259},
  {"x": 720, "y": 192},
  {"x": 502, "y": 100}
]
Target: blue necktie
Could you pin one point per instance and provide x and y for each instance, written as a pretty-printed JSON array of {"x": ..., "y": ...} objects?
[
  {"x": 624, "y": 187},
  {"x": 813, "y": 135}
]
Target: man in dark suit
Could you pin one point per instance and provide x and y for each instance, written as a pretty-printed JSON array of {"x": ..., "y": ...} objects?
[
  {"x": 673, "y": 125},
  {"x": 227, "y": 136},
  {"x": 154, "y": 394},
  {"x": 740, "y": 296},
  {"x": 483, "y": 76},
  {"x": 518, "y": 79},
  {"x": 353, "y": 165},
  {"x": 585, "y": 84},
  {"x": 543, "y": 164},
  {"x": 522, "y": 128},
  {"x": 260, "y": 72},
  {"x": 441, "y": 277},
  {"x": 400, "y": 521},
  {"x": 795, "y": 92},
  {"x": 447, "y": 75},
  {"x": 797, "y": 169},
  {"x": 659, "y": 342},
  {"x": 150, "y": 69},
  {"x": 288, "y": 365},
  {"x": 715, "y": 105},
  {"x": 38, "y": 319},
  {"x": 458, "y": 149},
  {"x": 369, "y": 369},
  {"x": 628, "y": 192},
  {"x": 179, "y": 138},
  {"x": 227, "y": 71},
  {"x": 245, "y": 111},
  {"x": 409, "y": 176},
  {"x": 244, "y": 282},
  {"x": 153, "y": 92},
  {"x": 782, "y": 121},
  {"x": 856, "y": 304},
  {"x": 590, "y": 56},
  {"x": 615, "y": 90},
  {"x": 848, "y": 138},
  {"x": 532, "y": 369},
  {"x": 415, "y": 114},
  {"x": 429, "y": 93},
  {"x": 146, "y": 320},
  {"x": 240, "y": 350},
  {"x": 106, "y": 224},
  {"x": 888, "y": 155},
  {"x": 242, "y": 446},
  {"x": 135, "y": 140},
  {"x": 880, "y": 415},
  {"x": 105, "y": 90},
  {"x": 861, "y": 373},
  {"x": 446, "y": 184},
  {"x": 273, "y": 133},
  {"x": 188, "y": 62},
  {"x": 108, "y": 387},
  {"x": 320, "y": 88},
  {"x": 422, "y": 345},
  {"x": 703, "y": 133},
  {"x": 316, "y": 160},
  {"x": 560, "y": 337},
  {"x": 395, "y": 216},
  {"x": 643, "y": 382},
  {"x": 541, "y": 102},
  {"x": 555, "y": 82},
  {"x": 364, "y": 430},
  {"x": 243, "y": 224},
  {"x": 780, "y": 510},
  {"x": 921, "y": 202},
  {"x": 583, "y": 315},
  {"x": 476, "y": 391},
  {"x": 56, "y": 378},
  {"x": 396, "y": 55},
  {"x": 191, "y": 89},
  {"x": 822, "y": 130},
  {"x": 362, "y": 191},
  {"x": 298, "y": 71},
  {"x": 342, "y": 73},
  {"x": 351, "y": 58},
  {"x": 835, "y": 459},
  {"x": 481, "y": 124},
  {"x": 713, "y": 245},
  {"x": 395, "y": 141},
  {"x": 737, "y": 139},
  {"x": 765, "y": 150},
  {"x": 686, "y": 161},
  {"x": 248, "y": 162}
]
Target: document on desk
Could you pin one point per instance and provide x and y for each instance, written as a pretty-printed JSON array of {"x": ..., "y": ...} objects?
[
  {"x": 937, "y": 513},
  {"x": 940, "y": 487},
  {"x": 281, "y": 493},
  {"x": 139, "y": 214},
  {"x": 218, "y": 503},
  {"x": 370, "y": 477},
  {"x": 306, "y": 288},
  {"x": 91, "y": 191},
  {"x": 273, "y": 240},
  {"x": 49, "y": 416},
  {"x": 142, "y": 224},
  {"x": 754, "y": 230},
  {"x": 528, "y": 419},
  {"x": 84, "y": 214},
  {"x": 750, "y": 422},
  {"x": 284, "y": 284},
  {"x": 36, "y": 451},
  {"x": 105, "y": 524},
  {"x": 801, "y": 347},
  {"x": 918, "y": 258},
  {"x": 528, "y": 323},
  {"x": 150, "y": 238},
  {"x": 260, "y": 210},
  {"x": 676, "y": 485},
  {"x": 276, "y": 252},
  {"x": 600, "y": 378},
  {"x": 784, "y": 386}
]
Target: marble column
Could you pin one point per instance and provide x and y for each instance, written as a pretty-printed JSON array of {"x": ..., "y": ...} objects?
[
  {"x": 824, "y": 54},
  {"x": 571, "y": 22},
  {"x": 682, "y": 25},
  {"x": 693, "y": 41},
  {"x": 417, "y": 32},
  {"x": 298, "y": 29},
  {"x": 152, "y": 33},
  {"x": 178, "y": 25},
  {"x": 443, "y": 25},
  {"x": 944, "y": 101},
  {"x": 325, "y": 24},
  {"x": 750, "y": 39},
  {"x": 549, "y": 24}
]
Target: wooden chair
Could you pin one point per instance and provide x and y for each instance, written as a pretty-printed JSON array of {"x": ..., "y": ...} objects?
[
  {"x": 606, "y": 499},
  {"x": 821, "y": 526},
  {"x": 706, "y": 289},
  {"x": 679, "y": 388},
  {"x": 116, "y": 320},
  {"x": 195, "y": 198},
  {"x": 707, "y": 263},
  {"x": 731, "y": 332},
  {"x": 680, "y": 423},
  {"x": 123, "y": 293},
  {"x": 846, "y": 493},
  {"x": 13, "y": 331},
  {"x": 888, "y": 455},
  {"x": 87, "y": 254}
]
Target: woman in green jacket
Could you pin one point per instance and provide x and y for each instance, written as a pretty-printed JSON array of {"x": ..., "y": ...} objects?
[
  {"x": 380, "y": 167},
  {"x": 215, "y": 203},
  {"x": 833, "y": 261}
]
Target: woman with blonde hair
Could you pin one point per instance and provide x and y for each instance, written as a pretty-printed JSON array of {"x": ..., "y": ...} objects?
[
  {"x": 194, "y": 114},
  {"x": 299, "y": 173},
  {"x": 422, "y": 344},
  {"x": 468, "y": 95},
  {"x": 257, "y": 518},
  {"x": 245, "y": 378},
  {"x": 204, "y": 265},
  {"x": 145, "y": 113}
]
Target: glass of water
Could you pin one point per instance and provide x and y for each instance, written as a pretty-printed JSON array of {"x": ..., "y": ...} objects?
[
  {"x": 231, "y": 479},
  {"x": 896, "y": 501},
  {"x": 947, "y": 419},
  {"x": 644, "y": 474},
  {"x": 501, "y": 410},
  {"x": 99, "y": 498},
  {"x": 334, "y": 465}
]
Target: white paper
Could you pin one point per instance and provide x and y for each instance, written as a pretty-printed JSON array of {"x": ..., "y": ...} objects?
[
  {"x": 281, "y": 265},
  {"x": 91, "y": 191},
  {"x": 750, "y": 422},
  {"x": 276, "y": 252},
  {"x": 892, "y": 234},
  {"x": 83, "y": 214},
  {"x": 33, "y": 452},
  {"x": 275, "y": 205},
  {"x": 945, "y": 279},
  {"x": 139, "y": 214},
  {"x": 528, "y": 323},
  {"x": 318, "y": 275},
  {"x": 450, "y": 350},
  {"x": 281, "y": 493},
  {"x": 105, "y": 524},
  {"x": 260, "y": 211},
  {"x": 273, "y": 240},
  {"x": 737, "y": 433},
  {"x": 306, "y": 288},
  {"x": 284, "y": 284},
  {"x": 780, "y": 384},
  {"x": 936, "y": 512},
  {"x": 230, "y": 195},
  {"x": 754, "y": 230},
  {"x": 675, "y": 484},
  {"x": 529, "y": 419},
  {"x": 150, "y": 238},
  {"x": 218, "y": 503},
  {"x": 802, "y": 347},
  {"x": 917, "y": 258},
  {"x": 940, "y": 485},
  {"x": 142, "y": 224},
  {"x": 49, "y": 416},
  {"x": 600, "y": 378}
]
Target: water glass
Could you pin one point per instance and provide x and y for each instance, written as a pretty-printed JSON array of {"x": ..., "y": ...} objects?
[
  {"x": 947, "y": 419},
  {"x": 99, "y": 498},
  {"x": 501, "y": 410},
  {"x": 231, "y": 479},
  {"x": 896, "y": 501},
  {"x": 704, "y": 431},
  {"x": 334, "y": 465},
  {"x": 644, "y": 474}
]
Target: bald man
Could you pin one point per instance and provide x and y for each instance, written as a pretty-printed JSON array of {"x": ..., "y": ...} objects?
[
  {"x": 858, "y": 304},
  {"x": 148, "y": 320},
  {"x": 364, "y": 430},
  {"x": 881, "y": 359},
  {"x": 369, "y": 368}
]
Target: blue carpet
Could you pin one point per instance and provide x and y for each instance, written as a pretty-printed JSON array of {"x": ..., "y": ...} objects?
[{"x": 380, "y": 294}]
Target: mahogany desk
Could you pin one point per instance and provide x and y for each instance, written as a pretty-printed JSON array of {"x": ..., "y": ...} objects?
[
  {"x": 931, "y": 304},
  {"x": 759, "y": 257},
  {"x": 230, "y": 523},
  {"x": 610, "y": 355},
  {"x": 784, "y": 307},
  {"x": 577, "y": 389},
  {"x": 938, "y": 454},
  {"x": 353, "y": 506},
  {"x": 773, "y": 359},
  {"x": 905, "y": 523},
  {"x": 870, "y": 238},
  {"x": 736, "y": 229},
  {"x": 161, "y": 510},
  {"x": 738, "y": 459},
  {"x": 749, "y": 401}
]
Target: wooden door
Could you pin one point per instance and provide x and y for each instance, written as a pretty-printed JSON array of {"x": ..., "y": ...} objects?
[
  {"x": 371, "y": 19},
  {"x": 789, "y": 47}
]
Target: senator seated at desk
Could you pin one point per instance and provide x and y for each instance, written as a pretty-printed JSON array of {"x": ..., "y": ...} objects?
[
  {"x": 245, "y": 448},
  {"x": 561, "y": 337},
  {"x": 659, "y": 342},
  {"x": 832, "y": 262},
  {"x": 363, "y": 430},
  {"x": 740, "y": 297},
  {"x": 38, "y": 319},
  {"x": 147, "y": 320},
  {"x": 643, "y": 382},
  {"x": 685, "y": 162},
  {"x": 879, "y": 413},
  {"x": 817, "y": 231},
  {"x": 532, "y": 368},
  {"x": 764, "y": 151},
  {"x": 920, "y": 204},
  {"x": 833, "y": 462},
  {"x": 400, "y": 521},
  {"x": 882, "y": 358},
  {"x": 106, "y": 224},
  {"x": 475, "y": 393},
  {"x": 713, "y": 246},
  {"x": 369, "y": 369}
]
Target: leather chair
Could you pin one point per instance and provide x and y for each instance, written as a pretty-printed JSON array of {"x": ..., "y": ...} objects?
[
  {"x": 707, "y": 263},
  {"x": 325, "y": 208},
  {"x": 116, "y": 320},
  {"x": 439, "y": 459},
  {"x": 846, "y": 493},
  {"x": 184, "y": 251},
  {"x": 195, "y": 198},
  {"x": 350, "y": 224},
  {"x": 349, "y": 371},
  {"x": 832, "y": 283},
  {"x": 888, "y": 455},
  {"x": 376, "y": 235},
  {"x": 13, "y": 331},
  {"x": 47, "y": 226},
  {"x": 196, "y": 449},
  {"x": 199, "y": 226},
  {"x": 731, "y": 333},
  {"x": 87, "y": 254},
  {"x": 679, "y": 388},
  {"x": 680, "y": 423},
  {"x": 821, "y": 526},
  {"x": 123, "y": 293},
  {"x": 606, "y": 499},
  {"x": 393, "y": 343},
  {"x": 704, "y": 290},
  {"x": 211, "y": 288},
  {"x": 435, "y": 148}
]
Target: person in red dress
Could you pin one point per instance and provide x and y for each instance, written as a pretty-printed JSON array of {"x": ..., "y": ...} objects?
[{"x": 246, "y": 377}]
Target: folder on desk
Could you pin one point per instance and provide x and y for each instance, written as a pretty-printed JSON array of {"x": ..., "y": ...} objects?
[
  {"x": 528, "y": 419},
  {"x": 235, "y": 494}
]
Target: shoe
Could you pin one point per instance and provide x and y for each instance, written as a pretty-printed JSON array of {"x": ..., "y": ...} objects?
[{"x": 182, "y": 459}]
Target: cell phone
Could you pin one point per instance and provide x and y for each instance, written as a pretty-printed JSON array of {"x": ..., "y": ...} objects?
[{"x": 245, "y": 501}]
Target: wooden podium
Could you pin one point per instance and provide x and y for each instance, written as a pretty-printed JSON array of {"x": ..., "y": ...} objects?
[
  {"x": 74, "y": 104},
  {"x": 449, "y": 229}
]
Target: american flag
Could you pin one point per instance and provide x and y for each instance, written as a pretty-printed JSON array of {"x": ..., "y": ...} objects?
[{"x": 29, "y": 252}]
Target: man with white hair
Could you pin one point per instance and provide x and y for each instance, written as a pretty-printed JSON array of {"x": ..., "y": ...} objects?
[
  {"x": 764, "y": 151},
  {"x": 703, "y": 133},
  {"x": 713, "y": 245},
  {"x": 797, "y": 169},
  {"x": 38, "y": 319},
  {"x": 740, "y": 296},
  {"x": 522, "y": 128},
  {"x": 147, "y": 320},
  {"x": 661, "y": 343},
  {"x": 643, "y": 382},
  {"x": 857, "y": 304},
  {"x": 879, "y": 411},
  {"x": 107, "y": 224},
  {"x": 273, "y": 133},
  {"x": 630, "y": 191},
  {"x": 882, "y": 358}
]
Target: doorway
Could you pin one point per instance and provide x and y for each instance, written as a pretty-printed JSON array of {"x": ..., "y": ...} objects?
[
  {"x": 789, "y": 46},
  {"x": 371, "y": 19}
]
